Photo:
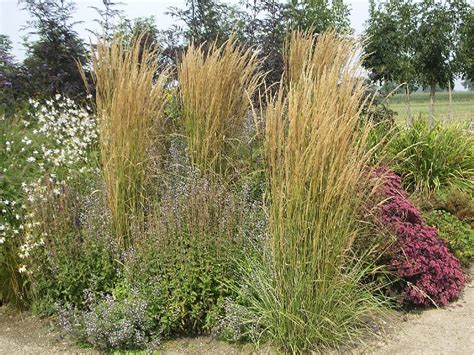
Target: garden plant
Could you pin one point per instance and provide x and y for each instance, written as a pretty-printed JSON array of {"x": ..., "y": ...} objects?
[{"x": 198, "y": 198}]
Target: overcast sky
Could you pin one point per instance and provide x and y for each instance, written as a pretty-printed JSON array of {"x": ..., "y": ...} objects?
[{"x": 13, "y": 19}]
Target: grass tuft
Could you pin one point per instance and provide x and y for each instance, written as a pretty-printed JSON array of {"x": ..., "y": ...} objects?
[
  {"x": 216, "y": 87},
  {"x": 317, "y": 159},
  {"x": 130, "y": 99}
]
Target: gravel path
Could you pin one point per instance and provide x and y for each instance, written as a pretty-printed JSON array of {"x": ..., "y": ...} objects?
[
  {"x": 449, "y": 330},
  {"x": 26, "y": 334}
]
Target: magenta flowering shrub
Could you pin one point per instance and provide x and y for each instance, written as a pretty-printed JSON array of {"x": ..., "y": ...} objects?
[{"x": 429, "y": 272}]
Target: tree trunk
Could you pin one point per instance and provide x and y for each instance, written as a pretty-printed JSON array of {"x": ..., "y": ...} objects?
[
  {"x": 450, "y": 95},
  {"x": 407, "y": 98},
  {"x": 432, "y": 95}
]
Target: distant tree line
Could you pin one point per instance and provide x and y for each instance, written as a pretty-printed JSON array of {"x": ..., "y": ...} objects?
[
  {"x": 425, "y": 44},
  {"x": 50, "y": 65}
]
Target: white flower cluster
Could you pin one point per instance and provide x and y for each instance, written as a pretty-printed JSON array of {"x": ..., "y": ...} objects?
[
  {"x": 32, "y": 235},
  {"x": 71, "y": 129},
  {"x": 39, "y": 193},
  {"x": 58, "y": 137}
]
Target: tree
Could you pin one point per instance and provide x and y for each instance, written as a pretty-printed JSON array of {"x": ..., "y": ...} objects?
[
  {"x": 7, "y": 72},
  {"x": 265, "y": 27},
  {"x": 262, "y": 24},
  {"x": 52, "y": 59},
  {"x": 437, "y": 44},
  {"x": 107, "y": 16},
  {"x": 390, "y": 53},
  {"x": 7, "y": 64},
  {"x": 320, "y": 15},
  {"x": 206, "y": 20},
  {"x": 130, "y": 30},
  {"x": 13, "y": 78},
  {"x": 466, "y": 51},
  {"x": 468, "y": 84}
]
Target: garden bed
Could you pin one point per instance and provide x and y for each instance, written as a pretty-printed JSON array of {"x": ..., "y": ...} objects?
[{"x": 443, "y": 330}]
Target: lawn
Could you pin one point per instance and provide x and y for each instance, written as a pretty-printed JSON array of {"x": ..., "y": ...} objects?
[{"x": 463, "y": 105}]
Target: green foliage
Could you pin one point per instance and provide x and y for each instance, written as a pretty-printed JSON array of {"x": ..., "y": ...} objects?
[
  {"x": 467, "y": 46},
  {"x": 145, "y": 27},
  {"x": 111, "y": 322},
  {"x": 319, "y": 15},
  {"x": 458, "y": 235},
  {"x": 430, "y": 159},
  {"x": 454, "y": 201},
  {"x": 75, "y": 253},
  {"x": 107, "y": 16},
  {"x": 187, "y": 259},
  {"x": 184, "y": 286},
  {"x": 12, "y": 79},
  {"x": 391, "y": 30},
  {"x": 416, "y": 42},
  {"x": 263, "y": 24},
  {"x": 51, "y": 60},
  {"x": 437, "y": 41},
  {"x": 260, "y": 314},
  {"x": 206, "y": 20}
]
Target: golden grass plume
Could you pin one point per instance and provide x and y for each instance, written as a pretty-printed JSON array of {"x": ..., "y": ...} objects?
[
  {"x": 130, "y": 99},
  {"x": 216, "y": 86}
]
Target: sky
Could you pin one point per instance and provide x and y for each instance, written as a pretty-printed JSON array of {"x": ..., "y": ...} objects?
[{"x": 13, "y": 19}]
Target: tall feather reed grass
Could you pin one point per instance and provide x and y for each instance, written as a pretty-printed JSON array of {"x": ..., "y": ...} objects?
[
  {"x": 216, "y": 87},
  {"x": 317, "y": 159},
  {"x": 130, "y": 99}
]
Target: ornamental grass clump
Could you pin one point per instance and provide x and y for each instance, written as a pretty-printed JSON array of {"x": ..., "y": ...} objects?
[
  {"x": 216, "y": 87},
  {"x": 308, "y": 293},
  {"x": 130, "y": 99},
  {"x": 431, "y": 159}
]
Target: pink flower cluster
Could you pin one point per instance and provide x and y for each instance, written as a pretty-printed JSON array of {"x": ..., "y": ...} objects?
[{"x": 430, "y": 273}]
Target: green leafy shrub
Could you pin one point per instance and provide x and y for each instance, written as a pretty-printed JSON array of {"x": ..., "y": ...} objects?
[
  {"x": 456, "y": 202},
  {"x": 68, "y": 247},
  {"x": 188, "y": 256},
  {"x": 458, "y": 235},
  {"x": 430, "y": 159}
]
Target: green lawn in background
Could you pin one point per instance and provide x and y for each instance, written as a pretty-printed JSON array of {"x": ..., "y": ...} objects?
[{"x": 463, "y": 106}]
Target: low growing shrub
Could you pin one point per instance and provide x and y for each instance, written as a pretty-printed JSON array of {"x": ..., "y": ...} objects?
[
  {"x": 456, "y": 202},
  {"x": 110, "y": 323},
  {"x": 458, "y": 235},
  {"x": 67, "y": 247},
  {"x": 429, "y": 273}
]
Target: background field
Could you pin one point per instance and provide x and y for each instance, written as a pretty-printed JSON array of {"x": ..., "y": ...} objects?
[{"x": 463, "y": 106}]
